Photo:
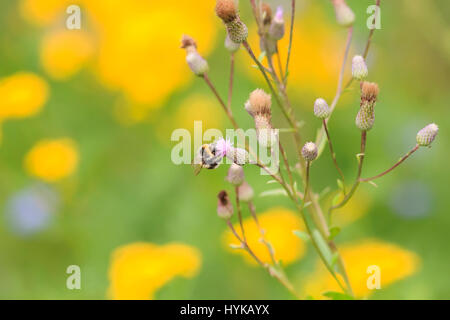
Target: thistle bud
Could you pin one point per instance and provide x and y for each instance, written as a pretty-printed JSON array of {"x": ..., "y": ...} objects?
[
  {"x": 365, "y": 118},
  {"x": 245, "y": 192},
  {"x": 321, "y": 109},
  {"x": 196, "y": 62},
  {"x": 309, "y": 151},
  {"x": 427, "y": 135},
  {"x": 344, "y": 15},
  {"x": 238, "y": 155},
  {"x": 230, "y": 45},
  {"x": 235, "y": 175},
  {"x": 227, "y": 11},
  {"x": 359, "y": 68},
  {"x": 276, "y": 30},
  {"x": 224, "y": 207}
]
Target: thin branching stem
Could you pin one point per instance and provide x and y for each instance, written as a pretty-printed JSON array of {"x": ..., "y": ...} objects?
[
  {"x": 361, "y": 157},
  {"x": 333, "y": 155},
  {"x": 406, "y": 156},
  {"x": 222, "y": 103},
  {"x": 239, "y": 212},
  {"x": 291, "y": 32}
]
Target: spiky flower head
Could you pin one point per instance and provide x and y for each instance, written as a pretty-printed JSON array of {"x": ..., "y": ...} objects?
[
  {"x": 309, "y": 151},
  {"x": 344, "y": 15},
  {"x": 427, "y": 135},
  {"x": 359, "y": 68},
  {"x": 321, "y": 109},
  {"x": 230, "y": 45},
  {"x": 196, "y": 62},
  {"x": 365, "y": 118},
  {"x": 276, "y": 30},
  {"x": 228, "y": 12},
  {"x": 223, "y": 147},
  {"x": 245, "y": 192},
  {"x": 235, "y": 175},
  {"x": 259, "y": 103},
  {"x": 224, "y": 206}
]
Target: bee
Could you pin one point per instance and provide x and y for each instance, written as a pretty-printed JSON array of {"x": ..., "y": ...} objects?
[{"x": 207, "y": 158}]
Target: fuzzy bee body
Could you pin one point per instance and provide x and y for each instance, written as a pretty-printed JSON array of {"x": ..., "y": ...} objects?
[{"x": 206, "y": 158}]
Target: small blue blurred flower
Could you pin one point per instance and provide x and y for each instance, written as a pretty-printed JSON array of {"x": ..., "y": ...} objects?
[{"x": 31, "y": 210}]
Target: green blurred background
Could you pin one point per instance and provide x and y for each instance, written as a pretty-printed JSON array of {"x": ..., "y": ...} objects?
[{"x": 126, "y": 189}]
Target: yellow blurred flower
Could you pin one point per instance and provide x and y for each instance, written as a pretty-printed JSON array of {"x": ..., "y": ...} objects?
[
  {"x": 138, "y": 270},
  {"x": 43, "y": 12},
  {"x": 196, "y": 107},
  {"x": 64, "y": 52},
  {"x": 394, "y": 262},
  {"x": 139, "y": 50},
  {"x": 279, "y": 224},
  {"x": 22, "y": 95},
  {"x": 138, "y": 43},
  {"x": 316, "y": 57},
  {"x": 358, "y": 206},
  {"x": 52, "y": 160}
]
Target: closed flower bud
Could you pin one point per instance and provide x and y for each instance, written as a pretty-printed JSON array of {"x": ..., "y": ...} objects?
[
  {"x": 309, "y": 151},
  {"x": 427, "y": 135},
  {"x": 238, "y": 156},
  {"x": 230, "y": 45},
  {"x": 245, "y": 192},
  {"x": 365, "y": 118},
  {"x": 359, "y": 68},
  {"x": 196, "y": 62},
  {"x": 344, "y": 15},
  {"x": 276, "y": 30},
  {"x": 237, "y": 30},
  {"x": 235, "y": 175},
  {"x": 224, "y": 206},
  {"x": 321, "y": 109}
]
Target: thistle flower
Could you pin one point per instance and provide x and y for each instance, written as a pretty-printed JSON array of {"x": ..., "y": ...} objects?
[
  {"x": 427, "y": 135},
  {"x": 224, "y": 207},
  {"x": 359, "y": 68},
  {"x": 344, "y": 15},
  {"x": 321, "y": 109},
  {"x": 227, "y": 11},
  {"x": 223, "y": 147},
  {"x": 276, "y": 30},
  {"x": 230, "y": 45},
  {"x": 309, "y": 151},
  {"x": 235, "y": 175},
  {"x": 195, "y": 61},
  {"x": 245, "y": 192},
  {"x": 259, "y": 107},
  {"x": 366, "y": 114}
]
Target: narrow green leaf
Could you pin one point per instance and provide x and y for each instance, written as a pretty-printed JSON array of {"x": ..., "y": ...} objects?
[
  {"x": 323, "y": 247},
  {"x": 235, "y": 246},
  {"x": 272, "y": 181},
  {"x": 336, "y": 200},
  {"x": 340, "y": 184},
  {"x": 274, "y": 192},
  {"x": 302, "y": 235},
  {"x": 337, "y": 295}
]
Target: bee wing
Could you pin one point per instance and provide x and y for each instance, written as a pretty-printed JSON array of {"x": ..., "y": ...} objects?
[
  {"x": 197, "y": 164},
  {"x": 197, "y": 168}
]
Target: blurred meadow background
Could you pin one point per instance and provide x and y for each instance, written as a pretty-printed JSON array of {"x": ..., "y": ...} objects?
[{"x": 86, "y": 177}]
